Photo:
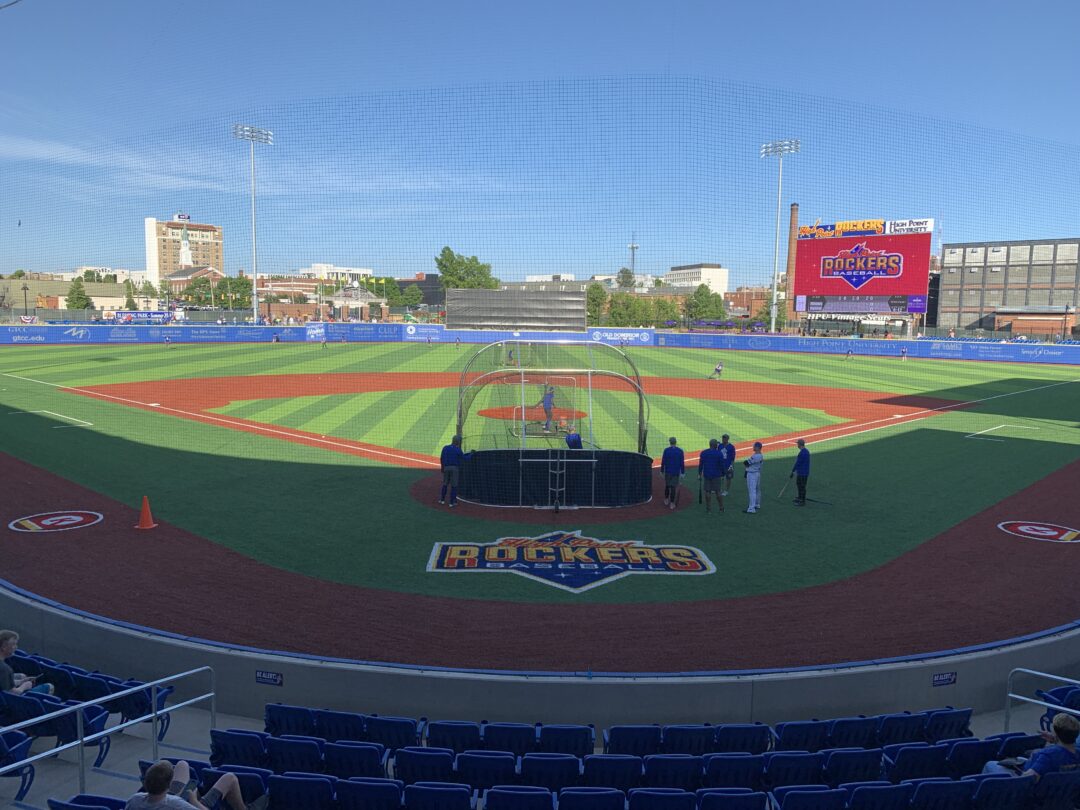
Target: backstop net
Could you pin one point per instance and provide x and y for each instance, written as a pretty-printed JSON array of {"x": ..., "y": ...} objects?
[{"x": 519, "y": 400}]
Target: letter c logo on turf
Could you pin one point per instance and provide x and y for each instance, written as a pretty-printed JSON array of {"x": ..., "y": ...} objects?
[{"x": 1037, "y": 530}]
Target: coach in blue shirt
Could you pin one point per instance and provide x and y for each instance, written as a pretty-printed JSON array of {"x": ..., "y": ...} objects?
[
  {"x": 673, "y": 468},
  {"x": 573, "y": 439},
  {"x": 548, "y": 403},
  {"x": 451, "y": 460},
  {"x": 801, "y": 471},
  {"x": 711, "y": 468}
]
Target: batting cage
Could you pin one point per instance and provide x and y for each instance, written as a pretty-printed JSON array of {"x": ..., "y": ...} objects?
[{"x": 553, "y": 424}]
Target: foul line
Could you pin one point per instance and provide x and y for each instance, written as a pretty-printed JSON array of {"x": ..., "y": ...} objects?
[
  {"x": 82, "y": 422},
  {"x": 251, "y": 426},
  {"x": 979, "y": 434}
]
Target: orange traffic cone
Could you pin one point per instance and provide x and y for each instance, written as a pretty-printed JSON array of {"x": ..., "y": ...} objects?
[{"x": 146, "y": 520}]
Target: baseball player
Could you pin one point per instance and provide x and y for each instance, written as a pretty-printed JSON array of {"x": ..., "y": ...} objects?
[
  {"x": 710, "y": 466},
  {"x": 673, "y": 468},
  {"x": 903, "y": 353},
  {"x": 753, "y": 478},
  {"x": 717, "y": 371},
  {"x": 548, "y": 402},
  {"x": 450, "y": 461},
  {"x": 727, "y": 450}
]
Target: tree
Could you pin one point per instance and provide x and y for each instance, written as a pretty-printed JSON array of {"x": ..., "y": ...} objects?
[
  {"x": 129, "y": 300},
  {"x": 18, "y": 274},
  {"x": 91, "y": 275},
  {"x": 666, "y": 310},
  {"x": 77, "y": 297},
  {"x": 764, "y": 314},
  {"x": 625, "y": 279},
  {"x": 658, "y": 282},
  {"x": 464, "y": 273},
  {"x": 412, "y": 296},
  {"x": 298, "y": 298},
  {"x": 108, "y": 278},
  {"x": 146, "y": 292},
  {"x": 237, "y": 291},
  {"x": 705, "y": 305},
  {"x": 595, "y": 300}
]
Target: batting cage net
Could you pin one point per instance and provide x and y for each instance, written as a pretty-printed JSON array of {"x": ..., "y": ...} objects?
[{"x": 553, "y": 423}]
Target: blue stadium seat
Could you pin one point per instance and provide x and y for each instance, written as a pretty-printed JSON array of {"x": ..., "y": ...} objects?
[
  {"x": 1058, "y": 791},
  {"x": 61, "y": 679},
  {"x": 694, "y": 740},
  {"x": 793, "y": 768},
  {"x": 254, "y": 782},
  {"x": 92, "y": 687},
  {"x": 1016, "y": 744},
  {"x": 415, "y": 764},
  {"x": 237, "y": 747},
  {"x": 661, "y": 799},
  {"x": 1004, "y": 794},
  {"x": 852, "y": 765},
  {"x": 732, "y": 799},
  {"x": 734, "y": 771},
  {"x": 196, "y": 765},
  {"x": 802, "y": 735},
  {"x": 681, "y": 771},
  {"x": 86, "y": 800},
  {"x": 853, "y": 732},
  {"x": 915, "y": 762},
  {"x": 749, "y": 738},
  {"x": 309, "y": 792},
  {"x": 484, "y": 769},
  {"x": 551, "y": 771},
  {"x": 360, "y": 793},
  {"x": 20, "y": 708},
  {"x": 294, "y": 755},
  {"x": 567, "y": 739},
  {"x": 517, "y": 738},
  {"x": 393, "y": 732},
  {"x": 338, "y": 726},
  {"x": 281, "y": 718},
  {"x": 457, "y": 735},
  {"x": 15, "y": 747},
  {"x": 1064, "y": 696},
  {"x": 620, "y": 771},
  {"x": 943, "y": 794},
  {"x": 348, "y": 759},
  {"x": 637, "y": 741},
  {"x": 810, "y": 797},
  {"x": 518, "y": 797},
  {"x": 24, "y": 663},
  {"x": 94, "y": 721},
  {"x": 947, "y": 724},
  {"x": 969, "y": 756},
  {"x": 143, "y": 703},
  {"x": 591, "y": 798},
  {"x": 902, "y": 727},
  {"x": 439, "y": 796},
  {"x": 878, "y": 796}
]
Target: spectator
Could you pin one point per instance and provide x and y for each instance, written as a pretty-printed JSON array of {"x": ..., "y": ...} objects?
[
  {"x": 1061, "y": 755},
  {"x": 15, "y": 682},
  {"x": 171, "y": 787}
]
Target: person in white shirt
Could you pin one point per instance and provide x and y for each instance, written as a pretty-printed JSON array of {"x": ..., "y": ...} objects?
[{"x": 753, "y": 478}]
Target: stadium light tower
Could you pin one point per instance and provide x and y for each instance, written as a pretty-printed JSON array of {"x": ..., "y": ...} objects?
[
  {"x": 253, "y": 135},
  {"x": 778, "y": 148}
]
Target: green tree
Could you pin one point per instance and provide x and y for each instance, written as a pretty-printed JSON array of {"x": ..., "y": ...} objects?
[
  {"x": 764, "y": 314},
  {"x": 625, "y": 279},
  {"x": 666, "y": 310},
  {"x": 108, "y": 278},
  {"x": 18, "y": 274},
  {"x": 625, "y": 310},
  {"x": 147, "y": 292},
  {"x": 236, "y": 291},
  {"x": 595, "y": 300},
  {"x": 412, "y": 295},
  {"x": 464, "y": 273},
  {"x": 129, "y": 300},
  {"x": 77, "y": 297},
  {"x": 705, "y": 305},
  {"x": 658, "y": 282},
  {"x": 298, "y": 298},
  {"x": 91, "y": 275}
]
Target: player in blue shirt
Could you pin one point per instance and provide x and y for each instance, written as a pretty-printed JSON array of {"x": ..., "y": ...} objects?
[
  {"x": 727, "y": 450},
  {"x": 717, "y": 370},
  {"x": 450, "y": 461},
  {"x": 573, "y": 439},
  {"x": 548, "y": 401},
  {"x": 673, "y": 468},
  {"x": 710, "y": 468},
  {"x": 801, "y": 471}
]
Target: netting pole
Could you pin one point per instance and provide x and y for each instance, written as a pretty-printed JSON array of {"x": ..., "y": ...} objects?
[
  {"x": 521, "y": 452},
  {"x": 592, "y": 437}
]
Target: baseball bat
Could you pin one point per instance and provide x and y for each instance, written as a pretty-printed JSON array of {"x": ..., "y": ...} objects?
[{"x": 782, "y": 491}]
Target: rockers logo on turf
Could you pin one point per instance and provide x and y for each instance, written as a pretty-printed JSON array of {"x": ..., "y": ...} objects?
[
  {"x": 859, "y": 264},
  {"x": 568, "y": 560}
]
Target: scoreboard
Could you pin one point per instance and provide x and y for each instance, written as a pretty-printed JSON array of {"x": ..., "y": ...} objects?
[{"x": 854, "y": 304}]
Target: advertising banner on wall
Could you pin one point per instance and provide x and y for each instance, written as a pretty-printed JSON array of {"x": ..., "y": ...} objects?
[{"x": 871, "y": 260}]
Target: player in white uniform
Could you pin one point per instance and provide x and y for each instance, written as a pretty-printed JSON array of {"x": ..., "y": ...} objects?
[{"x": 753, "y": 478}]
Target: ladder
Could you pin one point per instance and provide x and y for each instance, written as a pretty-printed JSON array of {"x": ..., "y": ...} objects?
[{"x": 556, "y": 478}]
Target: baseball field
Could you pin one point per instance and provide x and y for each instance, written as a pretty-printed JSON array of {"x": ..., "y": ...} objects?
[{"x": 295, "y": 488}]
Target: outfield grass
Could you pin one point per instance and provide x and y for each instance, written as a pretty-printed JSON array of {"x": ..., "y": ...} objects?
[{"x": 351, "y": 520}]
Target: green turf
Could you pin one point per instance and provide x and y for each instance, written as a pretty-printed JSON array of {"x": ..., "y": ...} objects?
[{"x": 351, "y": 520}]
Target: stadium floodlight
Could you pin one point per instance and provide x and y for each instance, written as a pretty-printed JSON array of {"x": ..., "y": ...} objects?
[
  {"x": 253, "y": 135},
  {"x": 779, "y": 149}
]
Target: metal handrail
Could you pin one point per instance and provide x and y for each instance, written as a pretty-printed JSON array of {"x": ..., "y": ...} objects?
[
  {"x": 83, "y": 738},
  {"x": 1010, "y": 696}
]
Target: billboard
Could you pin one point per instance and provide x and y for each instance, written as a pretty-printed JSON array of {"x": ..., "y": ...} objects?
[{"x": 867, "y": 262}]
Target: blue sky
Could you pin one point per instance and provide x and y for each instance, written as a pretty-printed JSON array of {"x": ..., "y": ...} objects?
[{"x": 538, "y": 138}]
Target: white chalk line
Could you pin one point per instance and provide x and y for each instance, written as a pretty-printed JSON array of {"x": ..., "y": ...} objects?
[
  {"x": 979, "y": 434},
  {"x": 82, "y": 422},
  {"x": 254, "y": 426}
]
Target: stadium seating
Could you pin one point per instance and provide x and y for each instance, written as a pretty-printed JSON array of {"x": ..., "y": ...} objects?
[
  {"x": 360, "y": 793},
  {"x": 620, "y": 771},
  {"x": 238, "y": 747},
  {"x": 591, "y": 798},
  {"x": 15, "y": 747},
  {"x": 904, "y": 762},
  {"x": 878, "y": 796},
  {"x": 851, "y": 765},
  {"x": 694, "y": 740},
  {"x": 288, "y": 792},
  {"x": 1003, "y": 794},
  {"x": 567, "y": 739},
  {"x": 637, "y": 741},
  {"x": 1058, "y": 791},
  {"x": 348, "y": 759},
  {"x": 673, "y": 770},
  {"x": 87, "y": 801},
  {"x": 439, "y": 796},
  {"x": 414, "y": 764},
  {"x": 661, "y": 799},
  {"x": 485, "y": 769},
  {"x": 969, "y": 756},
  {"x": 393, "y": 732},
  {"x": 942, "y": 794},
  {"x": 518, "y": 797},
  {"x": 734, "y": 771},
  {"x": 279, "y": 718},
  {"x": 784, "y": 768},
  {"x": 810, "y": 735},
  {"x": 809, "y": 797},
  {"x": 254, "y": 782},
  {"x": 751, "y": 738},
  {"x": 456, "y": 735},
  {"x": 947, "y": 724},
  {"x": 338, "y": 726},
  {"x": 903, "y": 727},
  {"x": 732, "y": 799},
  {"x": 853, "y": 732},
  {"x": 552, "y": 771},
  {"x": 517, "y": 738},
  {"x": 294, "y": 753}
]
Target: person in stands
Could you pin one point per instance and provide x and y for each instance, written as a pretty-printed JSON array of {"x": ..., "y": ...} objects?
[
  {"x": 170, "y": 786},
  {"x": 16, "y": 682}
]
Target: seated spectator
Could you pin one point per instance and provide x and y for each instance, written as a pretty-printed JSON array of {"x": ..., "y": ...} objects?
[
  {"x": 1061, "y": 755},
  {"x": 11, "y": 681},
  {"x": 169, "y": 786}
]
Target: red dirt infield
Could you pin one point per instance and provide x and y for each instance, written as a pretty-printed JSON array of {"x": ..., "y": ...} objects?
[{"x": 949, "y": 592}]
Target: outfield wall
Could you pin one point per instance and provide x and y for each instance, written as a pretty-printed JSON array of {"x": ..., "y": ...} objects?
[{"x": 1068, "y": 354}]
